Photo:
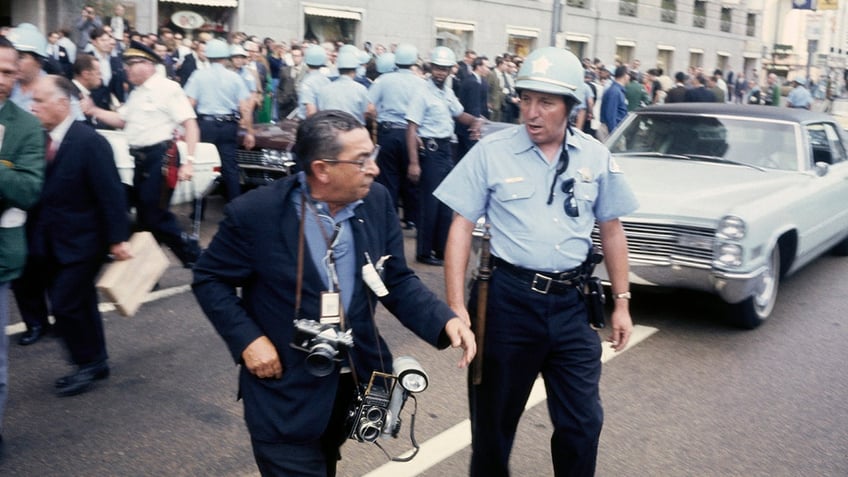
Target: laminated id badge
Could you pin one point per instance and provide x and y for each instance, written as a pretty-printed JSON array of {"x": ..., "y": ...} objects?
[{"x": 331, "y": 307}]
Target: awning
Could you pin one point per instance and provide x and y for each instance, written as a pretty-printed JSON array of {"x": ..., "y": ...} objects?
[
  {"x": 723, "y": 53},
  {"x": 206, "y": 3},
  {"x": 455, "y": 25},
  {"x": 522, "y": 31},
  {"x": 751, "y": 54},
  {"x": 666, "y": 47},
  {"x": 620, "y": 42},
  {"x": 699, "y": 51},
  {"x": 333, "y": 12},
  {"x": 577, "y": 38}
]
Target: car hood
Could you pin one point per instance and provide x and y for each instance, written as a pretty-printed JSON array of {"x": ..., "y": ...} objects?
[{"x": 680, "y": 188}]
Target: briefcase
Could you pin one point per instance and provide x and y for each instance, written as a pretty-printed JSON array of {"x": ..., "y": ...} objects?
[{"x": 127, "y": 282}]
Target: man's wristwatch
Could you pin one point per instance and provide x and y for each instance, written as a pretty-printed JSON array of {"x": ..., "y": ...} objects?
[{"x": 621, "y": 296}]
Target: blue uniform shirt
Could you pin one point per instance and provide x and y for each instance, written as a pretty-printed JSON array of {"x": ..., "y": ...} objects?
[
  {"x": 346, "y": 95},
  {"x": 392, "y": 93},
  {"x": 248, "y": 78},
  {"x": 506, "y": 178},
  {"x": 434, "y": 110},
  {"x": 800, "y": 97},
  {"x": 307, "y": 90},
  {"x": 217, "y": 90}
]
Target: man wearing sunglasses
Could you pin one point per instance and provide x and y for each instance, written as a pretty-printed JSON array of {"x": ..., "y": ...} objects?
[
  {"x": 323, "y": 247},
  {"x": 541, "y": 186}
]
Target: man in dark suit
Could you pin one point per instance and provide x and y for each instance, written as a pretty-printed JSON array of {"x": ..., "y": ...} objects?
[
  {"x": 464, "y": 70},
  {"x": 80, "y": 217},
  {"x": 197, "y": 59},
  {"x": 677, "y": 94},
  {"x": 699, "y": 93},
  {"x": 112, "y": 90},
  {"x": 474, "y": 96},
  {"x": 290, "y": 76},
  {"x": 316, "y": 270}
]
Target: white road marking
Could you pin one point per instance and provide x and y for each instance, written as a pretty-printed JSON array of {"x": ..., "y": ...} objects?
[
  {"x": 458, "y": 437},
  {"x": 20, "y": 327}
]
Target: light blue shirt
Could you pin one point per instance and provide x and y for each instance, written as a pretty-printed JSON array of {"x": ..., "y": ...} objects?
[
  {"x": 248, "y": 78},
  {"x": 346, "y": 95},
  {"x": 800, "y": 97},
  {"x": 433, "y": 111},
  {"x": 506, "y": 178},
  {"x": 344, "y": 248},
  {"x": 217, "y": 90},
  {"x": 307, "y": 90},
  {"x": 392, "y": 93}
]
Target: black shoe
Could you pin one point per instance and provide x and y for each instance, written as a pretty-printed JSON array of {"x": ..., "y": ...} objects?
[
  {"x": 429, "y": 260},
  {"x": 33, "y": 334},
  {"x": 82, "y": 380}
]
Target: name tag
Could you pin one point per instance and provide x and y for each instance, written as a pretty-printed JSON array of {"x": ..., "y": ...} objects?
[{"x": 330, "y": 308}]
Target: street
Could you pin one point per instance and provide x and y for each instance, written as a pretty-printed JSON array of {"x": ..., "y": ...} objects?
[{"x": 694, "y": 397}]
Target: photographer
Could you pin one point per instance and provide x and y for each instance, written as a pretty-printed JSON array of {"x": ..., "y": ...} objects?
[{"x": 297, "y": 249}]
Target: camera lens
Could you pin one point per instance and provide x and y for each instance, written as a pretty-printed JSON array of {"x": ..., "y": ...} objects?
[
  {"x": 319, "y": 361},
  {"x": 369, "y": 432},
  {"x": 375, "y": 414}
]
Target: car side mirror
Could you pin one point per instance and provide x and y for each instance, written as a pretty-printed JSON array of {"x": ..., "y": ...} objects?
[{"x": 822, "y": 168}]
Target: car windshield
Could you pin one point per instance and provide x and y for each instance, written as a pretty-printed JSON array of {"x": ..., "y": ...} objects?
[{"x": 760, "y": 144}]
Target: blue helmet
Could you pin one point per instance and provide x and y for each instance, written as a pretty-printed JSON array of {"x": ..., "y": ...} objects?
[
  {"x": 442, "y": 56},
  {"x": 386, "y": 63},
  {"x": 26, "y": 38},
  {"x": 347, "y": 60},
  {"x": 406, "y": 54},
  {"x": 315, "y": 56},
  {"x": 217, "y": 49},
  {"x": 551, "y": 70}
]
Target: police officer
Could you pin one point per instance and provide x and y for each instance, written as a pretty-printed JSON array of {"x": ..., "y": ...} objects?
[
  {"x": 222, "y": 101},
  {"x": 542, "y": 186},
  {"x": 32, "y": 53},
  {"x": 391, "y": 94},
  {"x": 154, "y": 109},
  {"x": 238, "y": 57},
  {"x": 307, "y": 90},
  {"x": 430, "y": 120},
  {"x": 345, "y": 94}
]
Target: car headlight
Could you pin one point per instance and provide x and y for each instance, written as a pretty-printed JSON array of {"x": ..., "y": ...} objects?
[
  {"x": 729, "y": 255},
  {"x": 731, "y": 227}
]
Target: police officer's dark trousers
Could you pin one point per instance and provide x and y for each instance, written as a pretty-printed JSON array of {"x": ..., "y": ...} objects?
[
  {"x": 394, "y": 164},
  {"x": 434, "y": 216},
  {"x": 224, "y": 135},
  {"x": 148, "y": 198},
  {"x": 528, "y": 332}
]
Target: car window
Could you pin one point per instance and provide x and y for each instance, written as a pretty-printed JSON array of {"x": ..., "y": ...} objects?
[
  {"x": 826, "y": 143},
  {"x": 760, "y": 143}
]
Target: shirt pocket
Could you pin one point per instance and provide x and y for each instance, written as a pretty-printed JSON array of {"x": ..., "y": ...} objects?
[
  {"x": 586, "y": 193},
  {"x": 506, "y": 192}
]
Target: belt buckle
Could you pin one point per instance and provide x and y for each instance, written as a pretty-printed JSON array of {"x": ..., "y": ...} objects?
[
  {"x": 537, "y": 279},
  {"x": 432, "y": 145}
]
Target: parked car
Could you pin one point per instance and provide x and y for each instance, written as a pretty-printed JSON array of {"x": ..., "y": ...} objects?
[
  {"x": 839, "y": 110},
  {"x": 271, "y": 157},
  {"x": 732, "y": 198},
  {"x": 207, "y": 166}
]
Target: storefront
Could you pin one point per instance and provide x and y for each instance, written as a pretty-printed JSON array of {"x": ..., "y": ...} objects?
[
  {"x": 332, "y": 24},
  {"x": 193, "y": 16}
]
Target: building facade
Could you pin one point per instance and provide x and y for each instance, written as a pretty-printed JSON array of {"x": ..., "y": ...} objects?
[{"x": 742, "y": 35}]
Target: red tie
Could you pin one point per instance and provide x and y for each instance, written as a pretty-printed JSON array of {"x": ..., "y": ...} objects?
[{"x": 49, "y": 151}]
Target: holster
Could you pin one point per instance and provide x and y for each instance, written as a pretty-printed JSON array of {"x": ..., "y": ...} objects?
[{"x": 595, "y": 300}]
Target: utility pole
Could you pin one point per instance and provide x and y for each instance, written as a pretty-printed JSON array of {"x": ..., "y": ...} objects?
[{"x": 556, "y": 21}]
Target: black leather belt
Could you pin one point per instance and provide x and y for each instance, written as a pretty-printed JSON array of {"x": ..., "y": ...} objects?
[
  {"x": 390, "y": 125},
  {"x": 135, "y": 150},
  {"x": 435, "y": 143},
  {"x": 223, "y": 118},
  {"x": 542, "y": 282}
]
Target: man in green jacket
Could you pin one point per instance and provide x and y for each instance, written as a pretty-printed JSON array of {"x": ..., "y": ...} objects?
[{"x": 21, "y": 176}]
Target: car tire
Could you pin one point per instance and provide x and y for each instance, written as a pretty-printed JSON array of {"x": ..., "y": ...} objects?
[
  {"x": 840, "y": 249},
  {"x": 753, "y": 311}
]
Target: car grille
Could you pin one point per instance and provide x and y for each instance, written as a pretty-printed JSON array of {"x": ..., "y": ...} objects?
[
  {"x": 663, "y": 243},
  {"x": 256, "y": 169}
]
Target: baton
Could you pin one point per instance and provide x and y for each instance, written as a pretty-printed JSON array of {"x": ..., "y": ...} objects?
[{"x": 483, "y": 274}]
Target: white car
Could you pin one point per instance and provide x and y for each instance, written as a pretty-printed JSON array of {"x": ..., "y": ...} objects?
[
  {"x": 732, "y": 198},
  {"x": 207, "y": 166}
]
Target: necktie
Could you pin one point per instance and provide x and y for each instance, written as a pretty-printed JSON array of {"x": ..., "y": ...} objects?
[{"x": 49, "y": 150}]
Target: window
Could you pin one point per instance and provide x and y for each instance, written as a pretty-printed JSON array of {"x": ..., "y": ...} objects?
[
  {"x": 628, "y": 8},
  {"x": 456, "y": 35},
  {"x": 726, "y": 19},
  {"x": 696, "y": 58},
  {"x": 577, "y": 3},
  {"x": 751, "y": 24},
  {"x": 668, "y": 11},
  {"x": 624, "y": 53},
  {"x": 827, "y": 146},
  {"x": 722, "y": 60},
  {"x": 665, "y": 60},
  {"x": 699, "y": 15}
]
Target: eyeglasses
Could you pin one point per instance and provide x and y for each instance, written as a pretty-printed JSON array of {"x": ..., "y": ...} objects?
[
  {"x": 570, "y": 204},
  {"x": 362, "y": 163}
]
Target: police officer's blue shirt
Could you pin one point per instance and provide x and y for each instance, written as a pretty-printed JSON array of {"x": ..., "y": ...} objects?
[
  {"x": 344, "y": 248},
  {"x": 217, "y": 90},
  {"x": 433, "y": 111},
  {"x": 392, "y": 93},
  {"x": 307, "y": 90},
  {"x": 799, "y": 97},
  {"x": 249, "y": 79},
  {"x": 346, "y": 95},
  {"x": 506, "y": 178}
]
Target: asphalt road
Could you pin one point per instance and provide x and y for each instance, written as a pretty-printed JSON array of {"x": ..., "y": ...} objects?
[{"x": 696, "y": 398}]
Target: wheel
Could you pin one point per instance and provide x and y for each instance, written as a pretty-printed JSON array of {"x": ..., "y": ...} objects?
[{"x": 753, "y": 311}]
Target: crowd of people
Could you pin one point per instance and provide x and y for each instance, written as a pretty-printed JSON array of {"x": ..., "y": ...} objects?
[{"x": 64, "y": 209}]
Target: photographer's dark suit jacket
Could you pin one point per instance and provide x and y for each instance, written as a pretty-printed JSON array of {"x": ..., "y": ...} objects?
[{"x": 256, "y": 249}]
